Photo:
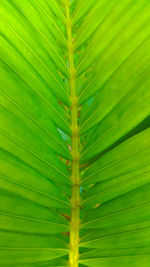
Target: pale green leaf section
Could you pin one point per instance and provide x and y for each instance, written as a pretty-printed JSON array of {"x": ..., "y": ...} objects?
[
  {"x": 122, "y": 20},
  {"x": 25, "y": 31},
  {"x": 99, "y": 8},
  {"x": 81, "y": 9}
]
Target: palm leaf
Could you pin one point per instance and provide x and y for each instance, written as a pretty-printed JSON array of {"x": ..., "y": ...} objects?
[{"x": 74, "y": 133}]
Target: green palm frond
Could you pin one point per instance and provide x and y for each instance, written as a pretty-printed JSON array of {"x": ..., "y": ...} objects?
[{"x": 74, "y": 133}]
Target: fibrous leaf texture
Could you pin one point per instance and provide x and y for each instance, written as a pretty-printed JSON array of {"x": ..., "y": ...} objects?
[{"x": 74, "y": 133}]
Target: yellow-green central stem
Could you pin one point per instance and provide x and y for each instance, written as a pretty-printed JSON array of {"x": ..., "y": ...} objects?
[{"x": 75, "y": 194}]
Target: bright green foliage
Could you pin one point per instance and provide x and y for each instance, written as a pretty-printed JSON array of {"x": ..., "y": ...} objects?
[{"x": 74, "y": 133}]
